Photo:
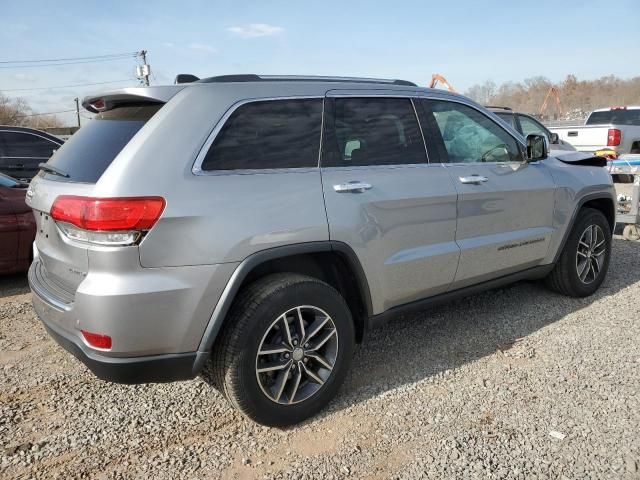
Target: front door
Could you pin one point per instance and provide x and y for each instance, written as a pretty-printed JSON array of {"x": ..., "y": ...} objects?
[
  {"x": 505, "y": 204},
  {"x": 385, "y": 200}
]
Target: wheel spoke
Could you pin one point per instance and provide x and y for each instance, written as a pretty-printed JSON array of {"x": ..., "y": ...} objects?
[
  {"x": 591, "y": 269},
  {"x": 295, "y": 384},
  {"x": 596, "y": 265},
  {"x": 582, "y": 254},
  {"x": 594, "y": 236},
  {"x": 599, "y": 244},
  {"x": 585, "y": 245},
  {"x": 272, "y": 349},
  {"x": 322, "y": 339},
  {"x": 584, "y": 270},
  {"x": 315, "y": 378},
  {"x": 287, "y": 331},
  {"x": 316, "y": 327},
  {"x": 300, "y": 324},
  {"x": 320, "y": 359},
  {"x": 281, "y": 382},
  {"x": 273, "y": 366}
]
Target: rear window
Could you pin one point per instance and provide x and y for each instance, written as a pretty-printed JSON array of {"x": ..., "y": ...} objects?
[
  {"x": 268, "y": 134},
  {"x": 88, "y": 153},
  {"x": 617, "y": 117}
]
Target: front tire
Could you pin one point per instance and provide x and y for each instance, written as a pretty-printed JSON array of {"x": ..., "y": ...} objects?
[
  {"x": 285, "y": 349},
  {"x": 584, "y": 261}
]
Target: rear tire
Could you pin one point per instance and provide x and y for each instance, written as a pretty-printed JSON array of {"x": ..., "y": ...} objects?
[
  {"x": 584, "y": 261},
  {"x": 278, "y": 321}
]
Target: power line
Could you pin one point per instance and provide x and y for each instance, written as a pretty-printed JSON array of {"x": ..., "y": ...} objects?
[
  {"x": 92, "y": 57},
  {"x": 67, "y": 63},
  {"x": 66, "y": 86},
  {"x": 44, "y": 113}
]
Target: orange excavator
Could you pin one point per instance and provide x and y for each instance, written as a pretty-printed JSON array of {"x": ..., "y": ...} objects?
[
  {"x": 556, "y": 95},
  {"x": 437, "y": 78}
]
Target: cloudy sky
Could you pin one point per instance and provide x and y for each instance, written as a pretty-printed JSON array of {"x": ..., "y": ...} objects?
[{"x": 467, "y": 41}]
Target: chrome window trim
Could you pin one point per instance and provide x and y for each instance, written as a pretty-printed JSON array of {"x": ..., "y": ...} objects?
[
  {"x": 196, "y": 169},
  {"x": 510, "y": 131}
]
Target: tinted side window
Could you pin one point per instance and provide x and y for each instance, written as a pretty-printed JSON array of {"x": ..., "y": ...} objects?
[
  {"x": 268, "y": 134},
  {"x": 374, "y": 131},
  {"x": 25, "y": 145},
  {"x": 508, "y": 117},
  {"x": 469, "y": 136},
  {"x": 530, "y": 126}
]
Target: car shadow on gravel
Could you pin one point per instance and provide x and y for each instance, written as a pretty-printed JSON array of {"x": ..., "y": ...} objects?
[
  {"x": 412, "y": 348},
  {"x": 14, "y": 284}
]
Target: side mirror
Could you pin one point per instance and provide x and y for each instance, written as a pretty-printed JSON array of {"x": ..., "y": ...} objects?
[
  {"x": 537, "y": 147},
  {"x": 555, "y": 139}
]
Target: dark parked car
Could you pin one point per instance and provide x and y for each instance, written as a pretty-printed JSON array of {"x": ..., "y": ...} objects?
[
  {"x": 528, "y": 125},
  {"x": 22, "y": 149},
  {"x": 17, "y": 226}
]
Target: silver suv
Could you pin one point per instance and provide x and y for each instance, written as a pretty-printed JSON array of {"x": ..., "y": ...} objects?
[{"x": 253, "y": 229}]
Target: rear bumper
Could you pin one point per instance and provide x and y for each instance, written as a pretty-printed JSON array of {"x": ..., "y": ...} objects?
[
  {"x": 58, "y": 318},
  {"x": 151, "y": 369}
]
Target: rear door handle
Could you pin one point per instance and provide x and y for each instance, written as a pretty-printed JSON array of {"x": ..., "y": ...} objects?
[
  {"x": 352, "y": 187},
  {"x": 474, "y": 179}
]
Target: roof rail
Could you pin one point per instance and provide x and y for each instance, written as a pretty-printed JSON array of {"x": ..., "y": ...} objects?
[{"x": 301, "y": 78}]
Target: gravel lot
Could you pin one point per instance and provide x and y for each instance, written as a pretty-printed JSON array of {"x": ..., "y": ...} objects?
[{"x": 514, "y": 383}]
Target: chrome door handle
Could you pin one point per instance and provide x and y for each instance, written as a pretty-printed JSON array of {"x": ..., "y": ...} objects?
[
  {"x": 474, "y": 179},
  {"x": 352, "y": 187}
]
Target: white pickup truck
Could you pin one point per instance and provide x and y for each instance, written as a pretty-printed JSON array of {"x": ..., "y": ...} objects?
[{"x": 616, "y": 128}]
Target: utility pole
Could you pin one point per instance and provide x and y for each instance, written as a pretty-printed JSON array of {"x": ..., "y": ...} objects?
[
  {"x": 77, "y": 110},
  {"x": 143, "y": 71}
]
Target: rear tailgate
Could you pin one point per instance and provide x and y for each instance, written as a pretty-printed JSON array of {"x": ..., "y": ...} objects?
[
  {"x": 62, "y": 263},
  {"x": 584, "y": 138}
]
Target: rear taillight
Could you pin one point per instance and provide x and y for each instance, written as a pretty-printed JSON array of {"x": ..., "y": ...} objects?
[
  {"x": 97, "y": 340},
  {"x": 106, "y": 221},
  {"x": 613, "y": 137}
]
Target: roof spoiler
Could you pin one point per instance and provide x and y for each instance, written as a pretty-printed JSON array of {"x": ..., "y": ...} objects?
[{"x": 185, "y": 78}]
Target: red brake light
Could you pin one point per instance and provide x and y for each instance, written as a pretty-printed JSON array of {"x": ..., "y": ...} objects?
[
  {"x": 96, "y": 340},
  {"x": 613, "y": 137},
  {"x": 98, "y": 104},
  {"x": 108, "y": 214}
]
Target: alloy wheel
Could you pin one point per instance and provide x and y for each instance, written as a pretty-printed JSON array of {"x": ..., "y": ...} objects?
[
  {"x": 591, "y": 254},
  {"x": 297, "y": 355}
]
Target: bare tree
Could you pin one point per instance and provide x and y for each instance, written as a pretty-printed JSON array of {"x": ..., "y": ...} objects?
[
  {"x": 579, "y": 96},
  {"x": 17, "y": 112}
]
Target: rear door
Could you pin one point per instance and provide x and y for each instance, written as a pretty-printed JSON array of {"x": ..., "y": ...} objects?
[
  {"x": 384, "y": 199},
  {"x": 505, "y": 205}
]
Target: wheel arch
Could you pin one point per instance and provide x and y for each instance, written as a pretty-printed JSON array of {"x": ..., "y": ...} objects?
[
  {"x": 333, "y": 262},
  {"x": 598, "y": 201}
]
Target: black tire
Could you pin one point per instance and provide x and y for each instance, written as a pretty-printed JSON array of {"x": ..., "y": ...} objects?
[
  {"x": 564, "y": 277},
  {"x": 233, "y": 361}
]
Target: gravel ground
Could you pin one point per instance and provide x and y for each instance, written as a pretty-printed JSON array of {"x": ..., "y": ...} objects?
[{"x": 514, "y": 383}]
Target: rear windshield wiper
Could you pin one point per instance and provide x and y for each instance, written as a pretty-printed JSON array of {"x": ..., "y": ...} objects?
[{"x": 53, "y": 170}]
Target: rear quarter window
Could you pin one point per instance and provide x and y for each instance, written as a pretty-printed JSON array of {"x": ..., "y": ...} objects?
[
  {"x": 90, "y": 151},
  {"x": 268, "y": 135}
]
